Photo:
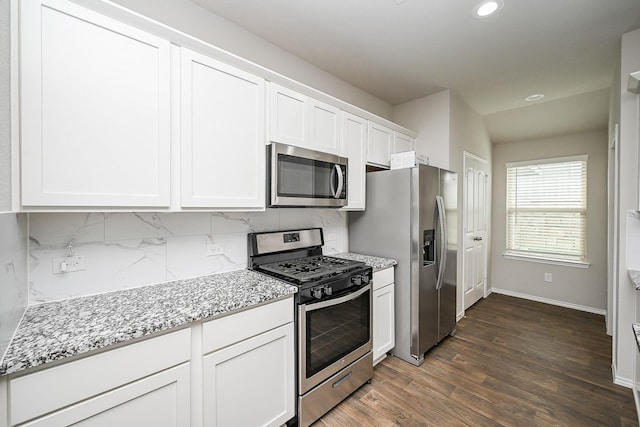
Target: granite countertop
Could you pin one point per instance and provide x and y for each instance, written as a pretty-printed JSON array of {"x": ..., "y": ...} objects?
[
  {"x": 55, "y": 330},
  {"x": 634, "y": 275},
  {"x": 376, "y": 262}
]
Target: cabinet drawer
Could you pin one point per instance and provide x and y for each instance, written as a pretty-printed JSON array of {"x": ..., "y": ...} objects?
[
  {"x": 382, "y": 278},
  {"x": 227, "y": 330},
  {"x": 36, "y": 394},
  {"x": 161, "y": 400}
]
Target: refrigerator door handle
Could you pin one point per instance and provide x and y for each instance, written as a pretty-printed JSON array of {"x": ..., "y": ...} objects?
[{"x": 443, "y": 241}]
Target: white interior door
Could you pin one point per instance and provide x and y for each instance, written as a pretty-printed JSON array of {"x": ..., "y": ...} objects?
[{"x": 475, "y": 228}]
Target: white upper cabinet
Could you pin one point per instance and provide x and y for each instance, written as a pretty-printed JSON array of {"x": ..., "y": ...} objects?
[
  {"x": 379, "y": 143},
  {"x": 354, "y": 141},
  {"x": 298, "y": 120},
  {"x": 324, "y": 132},
  {"x": 95, "y": 109},
  {"x": 402, "y": 142},
  {"x": 288, "y": 116},
  {"x": 223, "y": 135}
]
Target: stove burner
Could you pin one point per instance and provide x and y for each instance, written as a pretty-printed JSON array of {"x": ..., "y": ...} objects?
[{"x": 310, "y": 268}]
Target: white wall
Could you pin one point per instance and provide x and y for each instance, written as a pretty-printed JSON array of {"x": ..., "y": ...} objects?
[
  {"x": 13, "y": 274},
  {"x": 612, "y": 205},
  {"x": 5, "y": 109},
  {"x": 430, "y": 117},
  {"x": 447, "y": 128},
  {"x": 198, "y": 22},
  {"x": 467, "y": 133},
  {"x": 573, "y": 287},
  {"x": 125, "y": 250},
  {"x": 624, "y": 342}
]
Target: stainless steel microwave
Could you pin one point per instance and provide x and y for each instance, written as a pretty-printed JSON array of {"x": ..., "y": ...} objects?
[{"x": 305, "y": 178}]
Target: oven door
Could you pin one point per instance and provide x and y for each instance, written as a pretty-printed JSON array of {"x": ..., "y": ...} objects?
[
  {"x": 332, "y": 334},
  {"x": 301, "y": 177}
]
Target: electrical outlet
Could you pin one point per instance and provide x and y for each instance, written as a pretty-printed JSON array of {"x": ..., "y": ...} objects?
[
  {"x": 68, "y": 264},
  {"x": 215, "y": 249},
  {"x": 548, "y": 277}
]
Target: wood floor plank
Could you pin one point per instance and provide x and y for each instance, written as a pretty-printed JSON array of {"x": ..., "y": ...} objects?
[{"x": 512, "y": 362}]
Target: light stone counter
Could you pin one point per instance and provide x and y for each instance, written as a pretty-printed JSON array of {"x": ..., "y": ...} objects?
[
  {"x": 376, "y": 262},
  {"x": 56, "y": 330}
]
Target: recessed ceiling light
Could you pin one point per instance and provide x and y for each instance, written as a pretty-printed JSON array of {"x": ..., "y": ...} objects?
[
  {"x": 534, "y": 97},
  {"x": 487, "y": 7}
]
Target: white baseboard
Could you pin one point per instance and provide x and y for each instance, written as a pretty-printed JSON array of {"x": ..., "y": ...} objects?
[
  {"x": 549, "y": 301},
  {"x": 624, "y": 382},
  {"x": 459, "y": 316}
]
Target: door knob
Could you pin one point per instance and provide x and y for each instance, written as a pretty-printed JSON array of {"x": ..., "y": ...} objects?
[{"x": 477, "y": 238}]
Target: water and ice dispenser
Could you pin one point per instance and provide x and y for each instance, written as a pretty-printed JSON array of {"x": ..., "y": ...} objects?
[{"x": 428, "y": 248}]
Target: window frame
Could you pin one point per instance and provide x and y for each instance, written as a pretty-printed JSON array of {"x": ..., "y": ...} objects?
[{"x": 541, "y": 257}]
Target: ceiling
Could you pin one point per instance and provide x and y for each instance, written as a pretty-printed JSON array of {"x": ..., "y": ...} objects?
[{"x": 400, "y": 50}]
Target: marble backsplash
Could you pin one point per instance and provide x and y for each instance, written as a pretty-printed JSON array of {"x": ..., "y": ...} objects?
[
  {"x": 125, "y": 250},
  {"x": 13, "y": 274}
]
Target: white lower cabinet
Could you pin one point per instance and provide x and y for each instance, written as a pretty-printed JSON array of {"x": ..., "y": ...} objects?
[
  {"x": 160, "y": 400},
  {"x": 383, "y": 314},
  {"x": 249, "y": 378},
  {"x": 251, "y": 383},
  {"x": 236, "y": 370},
  {"x": 146, "y": 383}
]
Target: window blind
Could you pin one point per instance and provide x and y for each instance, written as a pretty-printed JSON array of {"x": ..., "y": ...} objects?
[{"x": 547, "y": 208}]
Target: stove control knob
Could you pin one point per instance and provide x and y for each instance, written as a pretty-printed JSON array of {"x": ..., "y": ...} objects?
[
  {"x": 356, "y": 280},
  {"x": 365, "y": 279},
  {"x": 328, "y": 291},
  {"x": 317, "y": 293}
]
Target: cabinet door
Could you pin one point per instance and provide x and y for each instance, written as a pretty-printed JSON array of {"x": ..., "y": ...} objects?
[
  {"x": 323, "y": 127},
  {"x": 251, "y": 383},
  {"x": 48, "y": 390},
  {"x": 383, "y": 322},
  {"x": 402, "y": 142},
  {"x": 159, "y": 400},
  {"x": 223, "y": 144},
  {"x": 379, "y": 144},
  {"x": 95, "y": 109},
  {"x": 288, "y": 116},
  {"x": 354, "y": 140}
]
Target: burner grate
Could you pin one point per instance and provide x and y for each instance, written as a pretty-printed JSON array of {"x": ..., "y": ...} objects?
[{"x": 310, "y": 268}]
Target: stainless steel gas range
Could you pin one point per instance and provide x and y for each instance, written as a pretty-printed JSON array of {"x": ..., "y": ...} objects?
[{"x": 333, "y": 315}]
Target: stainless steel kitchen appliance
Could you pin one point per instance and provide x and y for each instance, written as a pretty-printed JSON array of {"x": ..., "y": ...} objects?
[
  {"x": 411, "y": 216},
  {"x": 333, "y": 315},
  {"x": 305, "y": 178}
]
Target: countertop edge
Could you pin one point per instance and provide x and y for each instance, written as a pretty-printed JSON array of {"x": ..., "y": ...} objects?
[{"x": 377, "y": 263}]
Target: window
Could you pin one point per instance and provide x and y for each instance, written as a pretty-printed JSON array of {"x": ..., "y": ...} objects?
[{"x": 547, "y": 208}]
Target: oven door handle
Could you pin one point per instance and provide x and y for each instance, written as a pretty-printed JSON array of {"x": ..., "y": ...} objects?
[{"x": 336, "y": 301}]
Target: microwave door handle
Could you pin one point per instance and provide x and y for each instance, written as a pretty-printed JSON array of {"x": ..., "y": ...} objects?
[
  {"x": 333, "y": 174},
  {"x": 337, "y": 169}
]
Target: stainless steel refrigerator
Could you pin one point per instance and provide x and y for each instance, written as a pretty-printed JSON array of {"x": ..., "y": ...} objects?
[{"x": 411, "y": 216}]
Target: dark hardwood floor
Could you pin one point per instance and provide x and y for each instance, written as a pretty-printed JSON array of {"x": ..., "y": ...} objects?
[{"x": 512, "y": 362}]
